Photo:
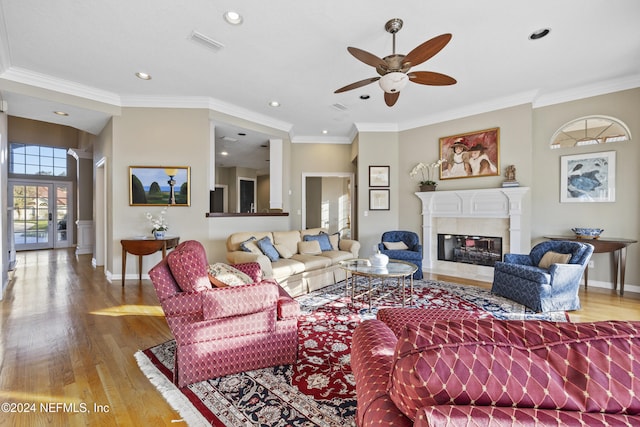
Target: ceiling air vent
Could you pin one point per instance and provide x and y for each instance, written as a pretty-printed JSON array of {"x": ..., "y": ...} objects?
[
  {"x": 339, "y": 107},
  {"x": 206, "y": 41}
]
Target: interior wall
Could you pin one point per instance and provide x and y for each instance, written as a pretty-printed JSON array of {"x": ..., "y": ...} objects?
[
  {"x": 618, "y": 219},
  {"x": 158, "y": 137},
  {"x": 313, "y": 207},
  {"x": 378, "y": 149},
  {"x": 423, "y": 145}
]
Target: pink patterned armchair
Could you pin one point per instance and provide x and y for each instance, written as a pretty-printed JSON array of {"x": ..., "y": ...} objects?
[{"x": 220, "y": 331}]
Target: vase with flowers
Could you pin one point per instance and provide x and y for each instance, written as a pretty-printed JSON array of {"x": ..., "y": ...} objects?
[
  {"x": 158, "y": 223},
  {"x": 425, "y": 172}
]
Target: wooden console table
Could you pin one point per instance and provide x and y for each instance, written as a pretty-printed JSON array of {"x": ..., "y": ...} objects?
[
  {"x": 617, "y": 248},
  {"x": 145, "y": 246}
]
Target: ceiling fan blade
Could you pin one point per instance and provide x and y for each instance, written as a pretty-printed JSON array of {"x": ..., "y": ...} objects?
[
  {"x": 357, "y": 84},
  {"x": 366, "y": 57},
  {"x": 391, "y": 98},
  {"x": 430, "y": 78},
  {"x": 426, "y": 50}
]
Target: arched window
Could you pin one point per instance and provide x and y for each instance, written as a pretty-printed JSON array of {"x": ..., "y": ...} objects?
[{"x": 590, "y": 130}]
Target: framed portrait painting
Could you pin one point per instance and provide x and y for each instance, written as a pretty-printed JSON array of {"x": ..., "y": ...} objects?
[
  {"x": 589, "y": 177},
  {"x": 159, "y": 185},
  {"x": 470, "y": 155}
]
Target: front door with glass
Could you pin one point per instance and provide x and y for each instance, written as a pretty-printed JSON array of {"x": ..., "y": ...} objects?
[{"x": 41, "y": 214}]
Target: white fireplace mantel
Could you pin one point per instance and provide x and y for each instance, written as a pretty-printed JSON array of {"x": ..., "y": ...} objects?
[{"x": 482, "y": 203}]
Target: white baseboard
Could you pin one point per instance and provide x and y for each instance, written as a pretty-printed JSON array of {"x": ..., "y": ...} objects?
[{"x": 487, "y": 276}]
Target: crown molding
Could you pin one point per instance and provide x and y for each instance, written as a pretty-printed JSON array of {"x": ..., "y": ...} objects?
[
  {"x": 587, "y": 91},
  {"x": 376, "y": 127},
  {"x": 301, "y": 139},
  {"x": 471, "y": 110},
  {"x": 43, "y": 81}
]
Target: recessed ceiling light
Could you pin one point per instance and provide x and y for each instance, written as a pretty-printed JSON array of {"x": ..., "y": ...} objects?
[
  {"x": 324, "y": 131},
  {"x": 143, "y": 76},
  {"x": 233, "y": 18},
  {"x": 61, "y": 113},
  {"x": 224, "y": 153},
  {"x": 274, "y": 103},
  {"x": 539, "y": 33}
]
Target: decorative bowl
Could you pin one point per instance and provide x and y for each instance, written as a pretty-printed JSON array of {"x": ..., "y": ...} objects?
[
  {"x": 379, "y": 260},
  {"x": 587, "y": 233}
]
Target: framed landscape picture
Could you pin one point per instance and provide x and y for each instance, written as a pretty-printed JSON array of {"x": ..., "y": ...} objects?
[
  {"x": 589, "y": 177},
  {"x": 159, "y": 185},
  {"x": 470, "y": 155}
]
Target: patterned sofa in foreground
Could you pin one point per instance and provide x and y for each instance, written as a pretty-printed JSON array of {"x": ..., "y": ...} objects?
[{"x": 496, "y": 372}]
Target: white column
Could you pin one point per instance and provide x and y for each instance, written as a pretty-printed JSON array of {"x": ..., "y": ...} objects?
[
  {"x": 212, "y": 156},
  {"x": 427, "y": 227},
  {"x": 275, "y": 173}
]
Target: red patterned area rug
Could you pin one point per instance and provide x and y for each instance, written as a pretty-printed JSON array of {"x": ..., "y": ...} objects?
[{"x": 319, "y": 390}]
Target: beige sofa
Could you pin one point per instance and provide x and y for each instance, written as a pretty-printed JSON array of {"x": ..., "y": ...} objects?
[{"x": 301, "y": 268}]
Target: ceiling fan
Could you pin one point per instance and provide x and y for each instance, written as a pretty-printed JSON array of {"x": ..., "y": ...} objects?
[{"x": 394, "y": 68}]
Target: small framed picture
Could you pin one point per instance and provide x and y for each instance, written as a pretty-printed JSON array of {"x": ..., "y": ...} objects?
[
  {"x": 378, "y": 176},
  {"x": 379, "y": 200},
  {"x": 589, "y": 177}
]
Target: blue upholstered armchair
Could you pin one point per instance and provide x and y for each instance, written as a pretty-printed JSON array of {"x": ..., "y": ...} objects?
[
  {"x": 547, "y": 279},
  {"x": 413, "y": 252}
]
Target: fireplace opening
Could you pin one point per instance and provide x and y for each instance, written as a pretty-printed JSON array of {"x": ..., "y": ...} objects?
[{"x": 479, "y": 250}]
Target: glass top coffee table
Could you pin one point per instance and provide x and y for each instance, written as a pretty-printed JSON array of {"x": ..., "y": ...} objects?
[{"x": 399, "y": 270}]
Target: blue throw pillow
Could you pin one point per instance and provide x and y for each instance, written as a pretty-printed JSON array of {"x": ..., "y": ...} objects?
[
  {"x": 268, "y": 249},
  {"x": 323, "y": 240}
]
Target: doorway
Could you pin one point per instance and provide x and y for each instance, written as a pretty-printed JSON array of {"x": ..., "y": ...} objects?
[
  {"x": 42, "y": 214},
  {"x": 247, "y": 199},
  {"x": 327, "y": 202}
]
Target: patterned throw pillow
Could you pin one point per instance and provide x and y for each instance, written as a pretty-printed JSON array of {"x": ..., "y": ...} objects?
[
  {"x": 222, "y": 275},
  {"x": 322, "y": 239},
  {"x": 552, "y": 257},
  {"x": 188, "y": 265}
]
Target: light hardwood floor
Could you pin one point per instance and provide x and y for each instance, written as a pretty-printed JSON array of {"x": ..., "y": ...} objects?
[{"x": 68, "y": 337}]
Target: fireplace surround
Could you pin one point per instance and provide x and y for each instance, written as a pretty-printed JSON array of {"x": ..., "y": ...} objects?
[{"x": 500, "y": 212}]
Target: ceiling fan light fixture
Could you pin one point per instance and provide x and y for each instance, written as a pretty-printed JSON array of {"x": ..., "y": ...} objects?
[{"x": 393, "y": 82}]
